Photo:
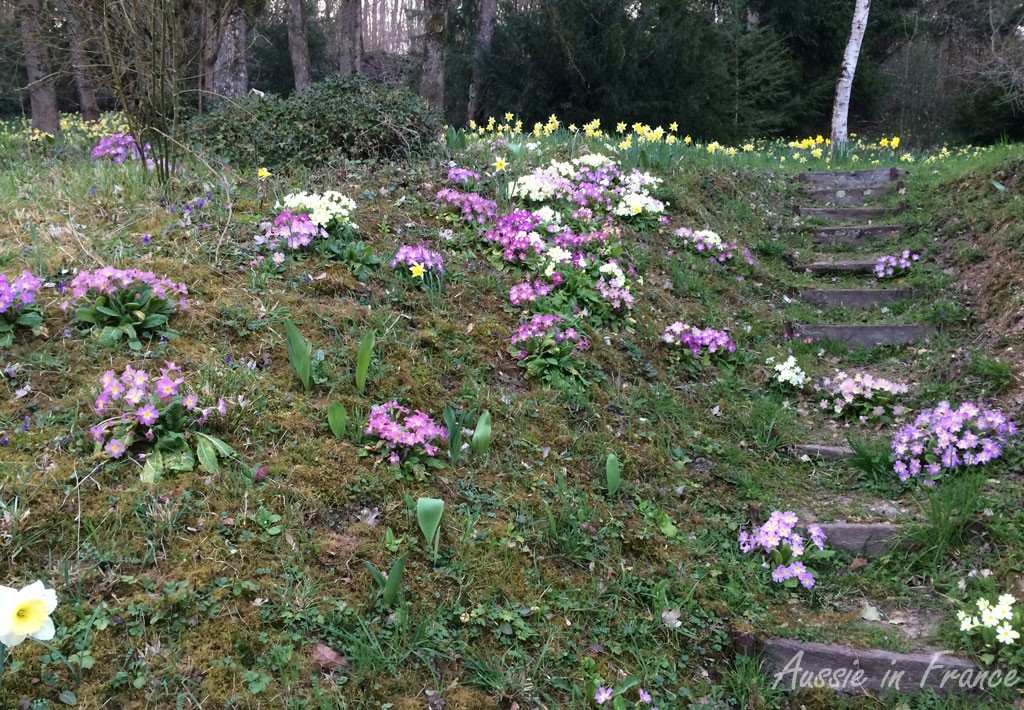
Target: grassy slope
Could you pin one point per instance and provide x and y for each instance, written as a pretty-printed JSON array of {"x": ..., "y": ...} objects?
[{"x": 179, "y": 594}]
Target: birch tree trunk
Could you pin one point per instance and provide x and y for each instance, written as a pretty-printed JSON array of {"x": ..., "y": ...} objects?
[
  {"x": 41, "y": 91},
  {"x": 432, "y": 73},
  {"x": 230, "y": 71},
  {"x": 298, "y": 49},
  {"x": 844, "y": 87},
  {"x": 484, "y": 36}
]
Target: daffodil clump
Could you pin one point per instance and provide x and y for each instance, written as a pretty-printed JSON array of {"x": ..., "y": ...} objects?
[{"x": 995, "y": 627}]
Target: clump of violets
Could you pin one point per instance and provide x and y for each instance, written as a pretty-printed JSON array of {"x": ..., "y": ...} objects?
[
  {"x": 997, "y": 625},
  {"x": 462, "y": 175},
  {"x": 472, "y": 207},
  {"x": 895, "y": 264},
  {"x": 137, "y": 406},
  {"x": 18, "y": 305},
  {"x": 783, "y": 546},
  {"x": 608, "y": 694},
  {"x": 612, "y": 287},
  {"x": 719, "y": 251},
  {"x": 516, "y": 234},
  {"x": 289, "y": 229},
  {"x": 118, "y": 148},
  {"x": 861, "y": 395},
  {"x": 699, "y": 341},
  {"x": 787, "y": 372},
  {"x": 529, "y": 291},
  {"x": 420, "y": 260},
  {"x": 406, "y": 434},
  {"x": 126, "y": 303},
  {"x": 330, "y": 210},
  {"x": 548, "y": 348},
  {"x": 943, "y": 439}
]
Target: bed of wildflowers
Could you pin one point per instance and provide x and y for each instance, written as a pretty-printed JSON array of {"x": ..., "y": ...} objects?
[{"x": 562, "y": 259}]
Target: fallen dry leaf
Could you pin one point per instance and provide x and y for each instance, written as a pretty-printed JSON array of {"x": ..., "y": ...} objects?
[{"x": 328, "y": 659}]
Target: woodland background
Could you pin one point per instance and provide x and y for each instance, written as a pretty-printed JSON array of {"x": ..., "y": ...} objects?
[{"x": 930, "y": 70}]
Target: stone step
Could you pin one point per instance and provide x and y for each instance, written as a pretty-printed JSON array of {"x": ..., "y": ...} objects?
[
  {"x": 857, "y": 233},
  {"x": 852, "y": 196},
  {"x": 837, "y": 266},
  {"x": 824, "y": 451},
  {"x": 795, "y": 665},
  {"x": 845, "y": 179},
  {"x": 865, "y": 539},
  {"x": 855, "y": 297},
  {"x": 866, "y": 336},
  {"x": 845, "y": 214}
]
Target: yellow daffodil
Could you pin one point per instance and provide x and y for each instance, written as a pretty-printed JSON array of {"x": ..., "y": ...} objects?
[
  {"x": 509, "y": 116},
  {"x": 417, "y": 271},
  {"x": 673, "y": 126},
  {"x": 621, "y": 127},
  {"x": 263, "y": 174},
  {"x": 884, "y": 142},
  {"x": 895, "y": 142},
  {"x": 687, "y": 140},
  {"x": 26, "y": 613},
  {"x": 500, "y": 164}
]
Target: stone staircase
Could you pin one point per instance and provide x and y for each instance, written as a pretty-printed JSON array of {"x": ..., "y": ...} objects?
[{"x": 847, "y": 670}]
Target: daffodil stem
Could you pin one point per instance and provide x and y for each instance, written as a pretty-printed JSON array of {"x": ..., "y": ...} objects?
[{"x": 55, "y": 652}]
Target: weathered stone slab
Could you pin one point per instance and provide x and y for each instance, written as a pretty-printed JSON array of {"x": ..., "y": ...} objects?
[
  {"x": 838, "y": 266},
  {"x": 854, "y": 195},
  {"x": 855, "y": 297},
  {"x": 867, "y": 539},
  {"x": 845, "y": 214},
  {"x": 867, "y": 336},
  {"x": 844, "y": 179},
  {"x": 796, "y": 665},
  {"x": 824, "y": 451},
  {"x": 857, "y": 234}
]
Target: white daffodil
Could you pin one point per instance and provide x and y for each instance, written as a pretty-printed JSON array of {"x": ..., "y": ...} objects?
[{"x": 26, "y": 613}]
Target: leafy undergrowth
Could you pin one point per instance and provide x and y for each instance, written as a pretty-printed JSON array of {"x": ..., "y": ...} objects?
[{"x": 214, "y": 586}]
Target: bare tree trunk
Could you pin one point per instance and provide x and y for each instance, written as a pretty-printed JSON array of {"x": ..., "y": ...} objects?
[
  {"x": 297, "y": 46},
  {"x": 42, "y": 94},
  {"x": 844, "y": 87},
  {"x": 214, "y": 17},
  {"x": 230, "y": 70},
  {"x": 484, "y": 35},
  {"x": 349, "y": 30},
  {"x": 84, "y": 81},
  {"x": 432, "y": 75}
]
